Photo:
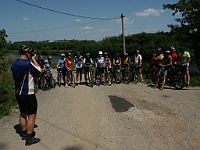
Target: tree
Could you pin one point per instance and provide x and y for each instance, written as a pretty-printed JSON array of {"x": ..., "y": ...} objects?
[
  {"x": 3, "y": 42},
  {"x": 189, "y": 23}
]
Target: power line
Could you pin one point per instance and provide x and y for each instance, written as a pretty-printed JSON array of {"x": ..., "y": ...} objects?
[
  {"x": 60, "y": 12},
  {"x": 51, "y": 29}
]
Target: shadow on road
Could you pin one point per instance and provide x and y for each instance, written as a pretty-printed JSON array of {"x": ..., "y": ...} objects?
[
  {"x": 2, "y": 146},
  {"x": 72, "y": 148},
  {"x": 120, "y": 104},
  {"x": 18, "y": 129}
]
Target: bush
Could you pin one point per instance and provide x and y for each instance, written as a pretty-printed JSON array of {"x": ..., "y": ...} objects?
[{"x": 7, "y": 100}]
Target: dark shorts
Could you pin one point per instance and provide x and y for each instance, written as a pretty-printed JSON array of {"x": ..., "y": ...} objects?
[
  {"x": 27, "y": 103},
  {"x": 86, "y": 69},
  {"x": 68, "y": 72},
  {"x": 79, "y": 70},
  {"x": 100, "y": 70}
]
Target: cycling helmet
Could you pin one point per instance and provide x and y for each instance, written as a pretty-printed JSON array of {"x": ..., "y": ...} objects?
[
  {"x": 49, "y": 57},
  {"x": 167, "y": 52},
  {"x": 69, "y": 54},
  {"x": 24, "y": 49},
  {"x": 105, "y": 53},
  {"x": 100, "y": 53},
  {"x": 62, "y": 55},
  {"x": 87, "y": 54},
  {"x": 182, "y": 49},
  {"x": 159, "y": 49},
  {"x": 173, "y": 48}
]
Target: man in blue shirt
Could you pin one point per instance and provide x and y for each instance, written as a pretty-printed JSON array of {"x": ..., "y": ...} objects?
[{"x": 23, "y": 70}]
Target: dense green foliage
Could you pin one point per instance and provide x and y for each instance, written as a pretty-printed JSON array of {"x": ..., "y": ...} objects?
[
  {"x": 7, "y": 99},
  {"x": 143, "y": 41},
  {"x": 188, "y": 27}
]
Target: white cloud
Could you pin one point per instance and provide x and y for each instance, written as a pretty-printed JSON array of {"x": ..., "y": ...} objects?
[
  {"x": 149, "y": 12},
  {"x": 25, "y": 18},
  {"x": 77, "y": 20},
  {"x": 87, "y": 28},
  {"x": 126, "y": 21}
]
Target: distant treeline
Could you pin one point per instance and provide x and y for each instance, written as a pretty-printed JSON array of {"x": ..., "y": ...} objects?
[{"x": 142, "y": 41}]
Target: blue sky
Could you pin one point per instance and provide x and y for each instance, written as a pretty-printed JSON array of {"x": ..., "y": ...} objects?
[{"x": 23, "y": 22}]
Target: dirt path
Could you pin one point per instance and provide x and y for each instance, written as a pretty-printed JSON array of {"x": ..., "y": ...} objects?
[{"x": 120, "y": 117}]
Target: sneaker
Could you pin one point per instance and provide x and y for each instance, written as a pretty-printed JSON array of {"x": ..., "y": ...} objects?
[
  {"x": 142, "y": 80},
  {"x": 31, "y": 141},
  {"x": 187, "y": 85},
  {"x": 24, "y": 135},
  {"x": 66, "y": 85}
]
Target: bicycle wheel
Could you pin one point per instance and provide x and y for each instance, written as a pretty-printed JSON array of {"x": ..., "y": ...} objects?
[
  {"x": 126, "y": 77},
  {"x": 179, "y": 80},
  {"x": 42, "y": 83},
  {"x": 135, "y": 77},
  {"x": 98, "y": 80},
  {"x": 90, "y": 78},
  {"x": 59, "y": 79},
  {"x": 53, "y": 82}
]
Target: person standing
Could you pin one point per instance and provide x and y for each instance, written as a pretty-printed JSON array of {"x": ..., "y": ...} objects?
[
  {"x": 78, "y": 61},
  {"x": 88, "y": 63},
  {"x": 22, "y": 71},
  {"x": 174, "y": 56},
  {"x": 100, "y": 66},
  {"x": 138, "y": 63},
  {"x": 159, "y": 58},
  {"x": 166, "y": 65},
  {"x": 68, "y": 69},
  {"x": 61, "y": 64},
  {"x": 40, "y": 61},
  {"x": 117, "y": 66},
  {"x": 185, "y": 59}
]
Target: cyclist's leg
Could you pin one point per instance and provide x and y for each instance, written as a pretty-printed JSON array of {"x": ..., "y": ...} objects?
[
  {"x": 164, "y": 79},
  {"x": 77, "y": 74},
  {"x": 81, "y": 72},
  {"x": 187, "y": 75},
  {"x": 140, "y": 71}
]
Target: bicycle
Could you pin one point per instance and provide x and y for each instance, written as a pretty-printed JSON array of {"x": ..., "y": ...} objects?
[
  {"x": 117, "y": 74},
  {"x": 135, "y": 72},
  {"x": 47, "y": 80},
  {"x": 59, "y": 76},
  {"x": 174, "y": 77},
  {"x": 125, "y": 75},
  {"x": 90, "y": 77},
  {"x": 108, "y": 76},
  {"x": 98, "y": 77}
]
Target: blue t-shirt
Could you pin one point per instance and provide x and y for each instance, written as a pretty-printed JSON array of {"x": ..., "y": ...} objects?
[
  {"x": 22, "y": 71},
  {"x": 62, "y": 63},
  {"x": 100, "y": 61}
]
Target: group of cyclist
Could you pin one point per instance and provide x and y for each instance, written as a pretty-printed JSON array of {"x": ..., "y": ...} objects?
[
  {"x": 163, "y": 60},
  {"x": 103, "y": 64},
  {"x": 170, "y": 60}
]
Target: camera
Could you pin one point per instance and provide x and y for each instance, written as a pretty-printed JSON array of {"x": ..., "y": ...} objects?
[{"x": 34, "y": 52}]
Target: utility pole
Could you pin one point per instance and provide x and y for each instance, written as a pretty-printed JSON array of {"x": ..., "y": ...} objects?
[{"x": 122, "y": 18}]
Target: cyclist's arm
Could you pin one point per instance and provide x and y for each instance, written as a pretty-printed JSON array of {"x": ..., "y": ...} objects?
[{"x": 58, "y": 63}]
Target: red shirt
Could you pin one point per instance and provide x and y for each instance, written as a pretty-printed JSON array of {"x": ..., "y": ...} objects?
[
  {"x": 68, "y": 64},
  {"x": 153, "y": 61},
  {"x": 174, "y": 57}
]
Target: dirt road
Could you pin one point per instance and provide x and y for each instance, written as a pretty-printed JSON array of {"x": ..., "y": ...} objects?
[{"x": 120, "y": 117}]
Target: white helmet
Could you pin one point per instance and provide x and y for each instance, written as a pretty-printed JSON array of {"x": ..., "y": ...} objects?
[
  {"x": 100, "y": 53},
  {"x": 62, "y": 55}
]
